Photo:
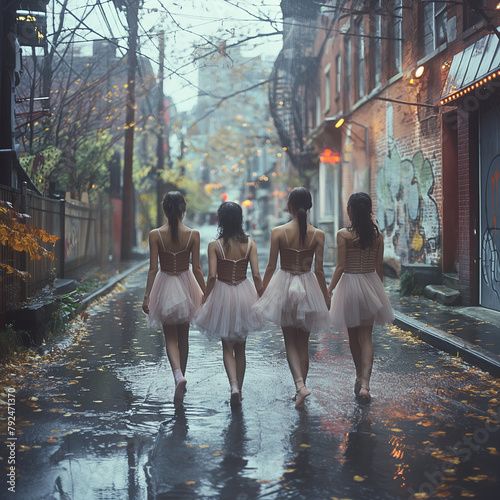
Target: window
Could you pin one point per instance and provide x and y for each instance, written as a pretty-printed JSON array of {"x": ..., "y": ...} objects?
[
  {"x": 397, "y": 33},
  {"x": 472, "y": 15},
  {"x": 360, "y": 58},
  {"x": 329, "y": 177},
  {"x": 338, "y": 65},
  {"x": 376, "y": 44},
  {"x": 435, "y": 20},
  {"x": 327, "y": 88}
]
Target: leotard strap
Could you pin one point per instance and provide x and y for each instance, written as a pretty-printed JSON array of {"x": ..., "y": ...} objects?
[
  {"x": 221, "y": 249},
  {"x": 161, "y": 239},
  {"x": 248, "y": 248}
]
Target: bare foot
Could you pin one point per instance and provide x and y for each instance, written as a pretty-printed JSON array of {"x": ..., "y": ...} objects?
[
  {"x": 301, "y": 395},
  {"x": 179, "y": 390},
  {"x": 235, "y": 399},
  {"x": 364, "y": 393},
  {"x": 357, "y": 387}
]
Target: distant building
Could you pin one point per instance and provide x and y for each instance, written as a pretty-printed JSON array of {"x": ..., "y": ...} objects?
[{"x": 232, "y": 137}]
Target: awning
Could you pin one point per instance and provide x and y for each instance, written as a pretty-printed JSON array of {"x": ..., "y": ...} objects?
[{"x": 477, "y": 65}]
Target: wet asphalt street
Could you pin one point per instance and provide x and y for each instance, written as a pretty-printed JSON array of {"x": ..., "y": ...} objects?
[{"x": 96, "y": 420}]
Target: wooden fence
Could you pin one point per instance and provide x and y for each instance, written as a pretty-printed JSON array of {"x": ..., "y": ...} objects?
[{"x": 83, "y": 233}]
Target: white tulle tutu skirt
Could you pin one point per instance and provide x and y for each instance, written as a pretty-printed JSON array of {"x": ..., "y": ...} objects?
[
  {"x": 294, "y": 300},
  {"x": 360, "y": 299},
  {"x": 227, "y": 313},
  {"x": 173, "y": 299}
]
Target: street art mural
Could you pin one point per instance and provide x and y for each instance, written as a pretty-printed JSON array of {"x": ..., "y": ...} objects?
[
  {"x": 490, "y": 245},
  {"x": 407, "y": 213}
]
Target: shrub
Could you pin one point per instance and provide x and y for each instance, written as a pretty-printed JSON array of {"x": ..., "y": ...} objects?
[{"x": 11, "y": 341}]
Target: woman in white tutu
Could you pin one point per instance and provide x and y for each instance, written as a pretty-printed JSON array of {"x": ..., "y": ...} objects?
[
  {"x": 174, "y": 294},
  {"x": 359, "y": 299},
  {"x": 227, "y": 312},
  {"x": 295, "y": 298}
]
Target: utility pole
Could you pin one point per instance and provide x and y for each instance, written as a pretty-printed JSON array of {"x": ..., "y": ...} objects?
[
  {"x": 160, "y": 150},
  {"x": 128, "y": 187}
]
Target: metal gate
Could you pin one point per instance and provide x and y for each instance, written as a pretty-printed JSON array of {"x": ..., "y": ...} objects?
[{"x": 489, "y": 134}]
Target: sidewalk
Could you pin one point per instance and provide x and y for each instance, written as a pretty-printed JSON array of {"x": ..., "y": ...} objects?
[{"x": 473, "y": 333}]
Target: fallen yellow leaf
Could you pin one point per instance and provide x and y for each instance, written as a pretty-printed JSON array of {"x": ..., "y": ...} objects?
[
  {"x": 359, "y": 478},
  {"x": 478, "y": 478}
]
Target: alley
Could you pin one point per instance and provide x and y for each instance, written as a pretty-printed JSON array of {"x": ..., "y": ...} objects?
[{"x": 97, "y": 420}]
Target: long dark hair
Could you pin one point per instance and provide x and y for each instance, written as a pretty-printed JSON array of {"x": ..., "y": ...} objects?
[
  {"x": 174, "y": 206},
  {"x": 361, "y": 219},
  {"x": 230, "y": 223},
  {"x": 301, "y": 201}
]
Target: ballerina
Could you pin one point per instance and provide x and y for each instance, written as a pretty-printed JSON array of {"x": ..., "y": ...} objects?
[
  {"x": 296, "y": 298},
  {"x": 174, "y": 294},
  {"x": 359, "y": 299}
]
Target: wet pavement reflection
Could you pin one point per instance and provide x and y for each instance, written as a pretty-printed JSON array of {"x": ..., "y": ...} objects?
[{"x": 97, "y": 419}]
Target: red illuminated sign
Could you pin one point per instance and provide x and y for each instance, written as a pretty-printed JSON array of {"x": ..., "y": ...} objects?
[{"x": 328, "y": 156}]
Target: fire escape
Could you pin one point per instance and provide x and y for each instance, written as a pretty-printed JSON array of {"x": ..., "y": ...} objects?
[{"x": 292, "y": 69}]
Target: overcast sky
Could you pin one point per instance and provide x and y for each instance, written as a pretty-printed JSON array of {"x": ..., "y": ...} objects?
[{"x": 187, "y": 25}]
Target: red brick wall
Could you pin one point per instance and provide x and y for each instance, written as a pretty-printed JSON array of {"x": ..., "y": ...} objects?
[{"x": 407, "y": 156}]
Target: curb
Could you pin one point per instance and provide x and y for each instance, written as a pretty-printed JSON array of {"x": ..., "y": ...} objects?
[
  {"x": 110, "y": 285},
  {"x": 447, "y": 342}
]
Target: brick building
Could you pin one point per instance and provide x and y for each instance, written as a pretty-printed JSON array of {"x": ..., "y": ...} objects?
[{"x": 404, "y": 103}]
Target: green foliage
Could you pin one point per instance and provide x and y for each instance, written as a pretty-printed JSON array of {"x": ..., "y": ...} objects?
[
  {"x": 11, "y": 341},
  {"x": 86, "y": 167},
  {"x": 407, "y": 285},
  {"x": 67, "y": 306},
  {"x": 87, "y": 286}
]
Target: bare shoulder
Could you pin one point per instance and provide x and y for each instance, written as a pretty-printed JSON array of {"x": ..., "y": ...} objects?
[
  {"x": 195, "y": 233},
  {"x": 319, "y": 235},
  {"x": 277, "y": 231},
  {"x": 346, "y": 233}
]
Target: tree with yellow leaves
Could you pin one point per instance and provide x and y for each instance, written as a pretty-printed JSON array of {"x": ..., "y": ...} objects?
[{"x": 21, "y": 237}]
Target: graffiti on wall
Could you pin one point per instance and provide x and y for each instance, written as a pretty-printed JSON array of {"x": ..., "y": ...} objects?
[
  {"x": 407, "y": 213},
  {"x": 490, "y": 247}
]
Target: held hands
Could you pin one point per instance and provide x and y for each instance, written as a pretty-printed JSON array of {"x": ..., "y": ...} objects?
[{"x": 328, "y": 300}]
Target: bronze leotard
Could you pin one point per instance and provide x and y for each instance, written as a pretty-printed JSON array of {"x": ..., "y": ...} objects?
[
  {"x": 232, "y": 272},
  {"x": 174, "y": 263},
  {"x": 359, "y": 260},
  {"x": 297, "y": 261}
]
